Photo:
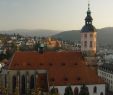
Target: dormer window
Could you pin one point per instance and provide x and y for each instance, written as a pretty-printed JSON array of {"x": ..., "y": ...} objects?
[
  {"x": 78, "y": 79},
  {"x": 63, "y": 64},
  {"x": 52, "y": 79},
  {"x": 65, "y": 79},
  {"x": 50, "y": 64},
  {"x": 75, "y": 63},
  {"x": 41, "y": 64}
]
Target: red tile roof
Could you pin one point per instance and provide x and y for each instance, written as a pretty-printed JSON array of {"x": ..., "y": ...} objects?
[{"x": 63, "y": 67}]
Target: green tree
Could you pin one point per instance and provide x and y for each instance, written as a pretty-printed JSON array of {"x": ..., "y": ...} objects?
[
  {"x": 68, "y": 91},
  {"x": 84, "y": 90}
]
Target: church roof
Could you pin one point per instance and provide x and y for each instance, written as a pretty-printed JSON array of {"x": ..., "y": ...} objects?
[{"x": 62, "y": 67}]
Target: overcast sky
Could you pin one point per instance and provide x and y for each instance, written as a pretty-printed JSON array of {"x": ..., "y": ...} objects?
[{"x": 53, "y": 14}]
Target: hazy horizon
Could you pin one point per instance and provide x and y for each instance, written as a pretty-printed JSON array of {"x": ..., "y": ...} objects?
[{"x": 53, "y": 14}]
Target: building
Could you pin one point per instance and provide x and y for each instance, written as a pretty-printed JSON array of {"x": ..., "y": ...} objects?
[
  {"x": 88, "y": 40},
  {"x": 43, "y": 71},
  {"x": 48, "y": 69},
  {"x": 105, "y": 71},
  {"x": 88, "y": 36}
]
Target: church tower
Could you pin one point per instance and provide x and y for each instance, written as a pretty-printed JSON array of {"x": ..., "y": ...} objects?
[{"x": 88, "y": 36}]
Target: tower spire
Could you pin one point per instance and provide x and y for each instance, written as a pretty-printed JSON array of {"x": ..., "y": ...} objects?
[
  {"x": 88, "y": 19},
  {"x": 88, "y": 5}
]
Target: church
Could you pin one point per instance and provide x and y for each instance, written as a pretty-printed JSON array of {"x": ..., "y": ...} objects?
[{"x": 44, "y": 70}]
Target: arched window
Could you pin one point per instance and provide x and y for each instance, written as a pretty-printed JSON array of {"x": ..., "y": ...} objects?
[
  {"x": 13, "y": 84},
  {"x": 101, "y": 93},
  {"x": 23, "y": 85},
  {"x": 32, "y": 82},
  {"x": 95, "y": 89},
  {"x": 76, "y": 91}
]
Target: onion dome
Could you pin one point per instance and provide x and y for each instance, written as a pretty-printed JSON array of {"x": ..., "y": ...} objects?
[{"x": 88, "y": 27}]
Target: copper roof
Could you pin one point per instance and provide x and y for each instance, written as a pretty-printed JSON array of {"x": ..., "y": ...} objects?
[{"x": 63, "y": 67}]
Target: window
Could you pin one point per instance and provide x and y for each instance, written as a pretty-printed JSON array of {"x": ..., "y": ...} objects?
[
  {"x": 23, "y": 85},
  {"x": 32, "y": 82},
  {"x": 65, "y": 79},
  {"x": 76, "y": 91},
  {"x": 14, "y": 83},
  {"x": 85, "y": 44},
  {"x": 91, "y": 35},
  {"x": 95, "y": 89},
  {"x": 90, "y": 43},
  {"x": 85, "y": 35}
]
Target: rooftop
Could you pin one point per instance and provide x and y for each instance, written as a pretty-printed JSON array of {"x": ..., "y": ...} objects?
[{"x": 62, "y": 67}]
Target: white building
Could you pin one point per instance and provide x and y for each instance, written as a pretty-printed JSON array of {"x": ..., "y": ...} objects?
[{"x": 105, "y": 71}]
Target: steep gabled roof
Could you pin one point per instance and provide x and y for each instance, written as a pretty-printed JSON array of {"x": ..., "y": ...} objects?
[{"x": 62, "y": 67}]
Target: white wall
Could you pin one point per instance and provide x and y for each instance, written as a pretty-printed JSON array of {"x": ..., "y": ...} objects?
[
  {"x": 100, "y": 88},
  {"x": 108, "y": 77},
  {"x": 88, "y": 39}
]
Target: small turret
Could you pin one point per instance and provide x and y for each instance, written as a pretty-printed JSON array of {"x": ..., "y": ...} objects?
[
  {"x": 88, "y": 36},
  {"x": 41, "y": 48}
]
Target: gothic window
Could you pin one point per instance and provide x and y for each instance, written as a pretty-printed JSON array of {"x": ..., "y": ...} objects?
[
  {"x": 13, "y": 83},
  {"x": 85, "y": 44},
  {"x": 91, "y": 44},
  {"x": 23, "y": 85},
  {"x": 95, "y": 89},
  {"x": 32, "y": 82},
  {"x": 76, "y": 91}
]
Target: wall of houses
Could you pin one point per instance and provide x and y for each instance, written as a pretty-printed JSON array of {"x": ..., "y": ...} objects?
[{"x": 108, "y": 77}]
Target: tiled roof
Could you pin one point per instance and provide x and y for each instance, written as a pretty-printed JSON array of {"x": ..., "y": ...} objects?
[{"x": 63, "y": 67}]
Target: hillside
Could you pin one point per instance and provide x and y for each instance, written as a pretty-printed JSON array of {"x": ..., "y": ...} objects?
[
  {"x": 26, "y": 32},
  {"x": 104, "y": 36}
]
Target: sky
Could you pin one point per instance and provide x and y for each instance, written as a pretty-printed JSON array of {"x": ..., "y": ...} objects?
[{"x": 54, "y": 14}]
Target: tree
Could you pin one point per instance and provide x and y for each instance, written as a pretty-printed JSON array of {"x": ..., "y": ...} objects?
[
  {"x": 54, "y": 91},
  {"x": 84, "y": 90},
  {"x": 68, "y": 91}
]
